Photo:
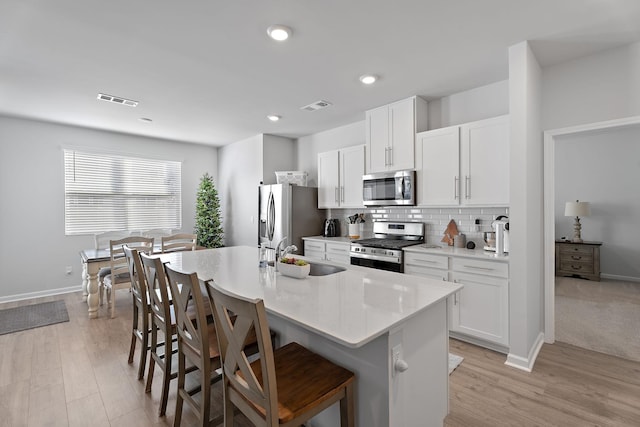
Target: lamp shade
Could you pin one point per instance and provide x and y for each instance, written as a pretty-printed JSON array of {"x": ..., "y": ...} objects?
[{"x": 577, "y": 208}]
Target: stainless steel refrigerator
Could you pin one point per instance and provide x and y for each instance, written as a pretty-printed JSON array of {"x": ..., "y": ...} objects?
[{"x": 290, "y": 211}]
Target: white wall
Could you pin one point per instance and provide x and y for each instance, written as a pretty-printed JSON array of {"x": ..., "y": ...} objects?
[
  {"x": 526, "y": 214},
  {"x": 35, "y": 250},
  {"x": 480, "y": 103},
  {"x": 240, "y": 172},
  {"x": 603, "y": 169},
  {"x": 595, "y": 88},
  {"x": 242, "y": 166}
]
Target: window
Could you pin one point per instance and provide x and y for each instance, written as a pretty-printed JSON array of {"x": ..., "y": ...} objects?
[{"x": 105, "y": 192}]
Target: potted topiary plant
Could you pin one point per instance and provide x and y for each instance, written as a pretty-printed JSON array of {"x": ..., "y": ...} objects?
[{"x": 208, "y": 225}]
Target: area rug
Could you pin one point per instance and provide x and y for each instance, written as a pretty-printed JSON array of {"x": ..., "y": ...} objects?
[
  {"x": 454, "y": 362},
  {"x": 32, "y": 316}
]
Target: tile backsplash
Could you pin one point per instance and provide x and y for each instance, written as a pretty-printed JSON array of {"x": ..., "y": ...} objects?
[{"x": 435, "y": 220}]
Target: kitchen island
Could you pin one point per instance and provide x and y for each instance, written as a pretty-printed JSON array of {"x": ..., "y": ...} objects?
[{"x": 389, "y": 328}]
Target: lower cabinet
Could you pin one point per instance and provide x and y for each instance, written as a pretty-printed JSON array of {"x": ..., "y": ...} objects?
[
  {"x": 328, "y": 251},
  {"x": 479, "y": 312}
]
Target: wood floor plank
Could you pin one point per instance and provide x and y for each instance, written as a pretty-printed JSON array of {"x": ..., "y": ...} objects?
[{"x": 569, "y": 386}]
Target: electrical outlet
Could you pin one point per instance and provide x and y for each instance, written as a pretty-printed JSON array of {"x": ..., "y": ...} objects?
[{"x": 68, "y": 270}]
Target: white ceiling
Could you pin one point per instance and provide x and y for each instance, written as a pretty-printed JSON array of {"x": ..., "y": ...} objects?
[{"x": 206, "y": 72}]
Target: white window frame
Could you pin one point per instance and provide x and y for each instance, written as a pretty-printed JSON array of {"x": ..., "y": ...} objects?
[{"x": 112, "y": 192}]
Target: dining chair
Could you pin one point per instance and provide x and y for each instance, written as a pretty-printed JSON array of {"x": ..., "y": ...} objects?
[
  {"x": 179, "y": 242},
  {"x": 141, "y": 310},
  {"x": 118, "y": 277},
  {"x": 197, "y": 343},
  {"x": 284, "y": 387},
  {"x": 101, "y": 241}
]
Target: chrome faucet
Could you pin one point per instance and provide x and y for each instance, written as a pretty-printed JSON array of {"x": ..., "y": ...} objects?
[{"x": 280, "y": 253}]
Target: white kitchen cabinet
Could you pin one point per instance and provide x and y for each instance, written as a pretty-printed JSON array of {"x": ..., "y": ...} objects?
[
  {"x": 481, "y": 308},
  {"x": 321, "y": 250},
  {"x": 478, "y": 313},
  {"x": 390, "y": 134},
  {"x": 340, "y": 177},
  {"x": 464, "y": 165},
  {"x": 484, "y": 162},
  {"x": 338, "y": 252},
  {"x": 427, "y": 265},
  {"x": 438, "y": 167},
  {"x": 314, "y": 249}
]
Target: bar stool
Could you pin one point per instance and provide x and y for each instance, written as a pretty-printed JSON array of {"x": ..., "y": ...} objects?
[{"x": 285, "y": 387}]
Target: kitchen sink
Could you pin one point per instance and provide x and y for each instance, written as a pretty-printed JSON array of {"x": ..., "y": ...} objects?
[{"x": 324, "y": 269}]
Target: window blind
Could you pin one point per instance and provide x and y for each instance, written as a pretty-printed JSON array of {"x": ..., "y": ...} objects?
[{"x": 105, "y": 192}]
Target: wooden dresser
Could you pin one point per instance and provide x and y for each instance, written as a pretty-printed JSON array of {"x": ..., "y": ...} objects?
[{"x": 578, "y": 259}]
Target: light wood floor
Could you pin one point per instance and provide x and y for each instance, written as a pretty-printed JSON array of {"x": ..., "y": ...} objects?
[{"x": 76, "y": 374}]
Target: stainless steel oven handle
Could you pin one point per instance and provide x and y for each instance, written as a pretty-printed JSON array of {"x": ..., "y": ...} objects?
[{"x": 393, "y": 259}]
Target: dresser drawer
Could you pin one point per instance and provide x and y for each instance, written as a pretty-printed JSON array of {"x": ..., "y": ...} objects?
[
  {"x": 577, "y": 267},
  {"x": 475, "y": 266},
  {"x": 577, "y": 257},
  {"x": 567, "y": 249}
]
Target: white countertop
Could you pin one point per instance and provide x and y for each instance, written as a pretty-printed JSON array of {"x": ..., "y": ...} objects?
[
  {"x": 459, "y": 252},
  {"x": 340, "y": 239},
  {"x": 351, "y": 307}
]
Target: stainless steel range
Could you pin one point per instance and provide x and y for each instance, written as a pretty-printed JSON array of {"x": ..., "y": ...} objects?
[{"x": 384, "y": 251}]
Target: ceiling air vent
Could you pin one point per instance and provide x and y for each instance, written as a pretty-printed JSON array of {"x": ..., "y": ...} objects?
[
  {"x": 318, "y": 105},
  {"x": 117, "y": 100}
]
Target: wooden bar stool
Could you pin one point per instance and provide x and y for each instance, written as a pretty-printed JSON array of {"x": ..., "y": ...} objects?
[
  {"x": 197, "y": 343},
  {"x": 306, "y": 384},
  {"x": 140, "y": 327}
]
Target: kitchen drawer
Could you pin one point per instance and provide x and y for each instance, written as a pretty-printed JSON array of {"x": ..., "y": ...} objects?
[
  {"x": 425, "y": 260},
  {"x": 475, "y": 266},
  {"x": 310, "y": 245}
]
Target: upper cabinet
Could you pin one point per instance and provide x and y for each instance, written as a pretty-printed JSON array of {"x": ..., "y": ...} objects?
[
  {"x": 340, "y": 177},
  {"x": 390, "y": 134},
  {"x": 464, "y": 165},
  {"x": 484, "y": 162}
]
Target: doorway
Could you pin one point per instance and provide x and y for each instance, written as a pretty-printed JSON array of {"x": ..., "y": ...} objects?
[{"x": 550, "y": 139}]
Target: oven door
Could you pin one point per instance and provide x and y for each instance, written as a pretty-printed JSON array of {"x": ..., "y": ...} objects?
[{"x": 377, "y": 264}]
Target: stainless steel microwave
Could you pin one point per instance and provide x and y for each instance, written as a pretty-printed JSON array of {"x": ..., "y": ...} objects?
[{"x": 389, "y": 189}]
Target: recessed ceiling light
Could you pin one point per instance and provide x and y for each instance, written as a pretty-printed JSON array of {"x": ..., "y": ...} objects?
[
  {"x": 145, "y": 119},
  {"x": 368, "y": 79},
  {"x": 279, "y": 32},
  {"x": 273, "y": 117}
]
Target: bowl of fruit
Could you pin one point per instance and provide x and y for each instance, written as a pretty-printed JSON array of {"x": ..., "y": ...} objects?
[{"x": 294, "y": 267}]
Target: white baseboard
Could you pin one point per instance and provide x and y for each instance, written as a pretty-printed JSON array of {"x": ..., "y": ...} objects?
[
  {"x": 622, "y": 278},
  {"x": 526, "y": 364},
  {"x": 40, "y": 294}
]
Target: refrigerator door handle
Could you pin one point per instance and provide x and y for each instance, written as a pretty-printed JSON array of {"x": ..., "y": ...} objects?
[{"x": 271, "y": 217}]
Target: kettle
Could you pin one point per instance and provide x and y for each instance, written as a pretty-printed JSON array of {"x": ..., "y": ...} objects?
[{"x": 331, "y": 228}]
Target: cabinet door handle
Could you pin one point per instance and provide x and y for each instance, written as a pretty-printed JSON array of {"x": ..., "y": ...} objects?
[
  {"x": 335, "y": 194},
  {"x": 342, "y": 193},
  {"x": 390, "y": 156},
  {"x": 467, "y": 187},
  {"x": 579, "y": 267},
  {"x": 455, "y": 187}
]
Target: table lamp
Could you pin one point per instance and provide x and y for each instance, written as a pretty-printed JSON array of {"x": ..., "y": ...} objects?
[{"x": 577, "y": 209}]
